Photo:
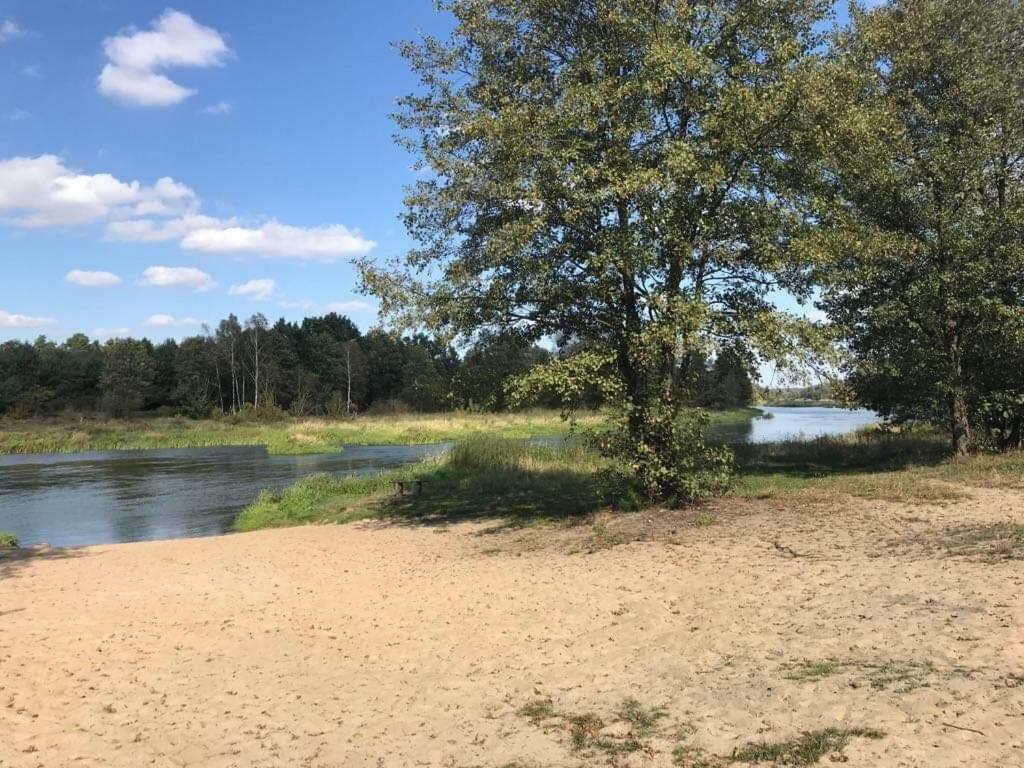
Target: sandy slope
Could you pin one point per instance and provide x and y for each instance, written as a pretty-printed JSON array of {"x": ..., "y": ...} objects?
[{"x": 361, "y": 645}]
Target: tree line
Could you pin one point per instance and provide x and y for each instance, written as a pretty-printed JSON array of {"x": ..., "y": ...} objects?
[{"x": 319, "y": 366}]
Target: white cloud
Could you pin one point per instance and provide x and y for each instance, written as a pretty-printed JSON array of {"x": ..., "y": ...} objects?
[
  {"x": 89, "y": 279},
  {"x": 275, "y": 239},
  {"x": 34, "y": 71},
  {"x": 135, "y": 58},
  {"x": 19, "y": 114},
  {"x": 42, "y": 192},
  {"x": 8, "y": 320},
  {"x": 348, "y": 306},
  {"x": 178, "y": 277},
  {"x": 220, "y": 108},
  {"x": 258, "y": 290},
  {"x": 169, "y": 321},
  {"x": 111, "y": 333},
  {"x": 160, "y": 230},
  {"x": 10, "y": 30}
]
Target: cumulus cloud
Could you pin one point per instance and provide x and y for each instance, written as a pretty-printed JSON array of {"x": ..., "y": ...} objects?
[
  {"x": 258, "y": 290},
  {"x": 347, "y": 306},
  {"x": 218, "y": 109},
  {"x": 136, "y": 58},
  {"x": 42, "y": 192},
  {"x": 10, "y": 30},
  {"x": 160, "y": 230},
  {"x": 8, "y": 320},
  {"x": 178, "y": 277},
  {"x": 275, "y": 239},
  {"x": 170, "y": 321},
  {"x": 89, "y": 279}
]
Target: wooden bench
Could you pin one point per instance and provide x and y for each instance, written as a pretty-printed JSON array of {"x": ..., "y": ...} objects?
[{"x": 413, "y": 487}]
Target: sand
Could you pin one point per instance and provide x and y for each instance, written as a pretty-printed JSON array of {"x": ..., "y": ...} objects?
[{"x": 367, "y": 645}]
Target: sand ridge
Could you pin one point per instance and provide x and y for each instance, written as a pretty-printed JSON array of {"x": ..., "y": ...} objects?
[{"x": 371, "y": 645}]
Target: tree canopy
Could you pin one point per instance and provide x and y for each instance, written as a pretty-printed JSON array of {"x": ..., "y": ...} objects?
[
  {"x": 617, "y": 171},
  {"x": 921, "y": 206}
]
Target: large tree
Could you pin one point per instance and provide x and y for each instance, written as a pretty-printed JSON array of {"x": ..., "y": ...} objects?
[
  {"x": 608, "y": 170},
  {"x": 922, "y": 211}
]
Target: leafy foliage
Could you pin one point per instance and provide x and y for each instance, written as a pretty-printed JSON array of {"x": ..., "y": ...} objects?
[
  {"x": 921, "y": 201},
  {"x": 669, "y": 459},
  {"x": 615, "y": 172}
]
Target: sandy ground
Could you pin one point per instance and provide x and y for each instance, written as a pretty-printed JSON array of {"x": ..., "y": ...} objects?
[{"x": 363, "y": 645}]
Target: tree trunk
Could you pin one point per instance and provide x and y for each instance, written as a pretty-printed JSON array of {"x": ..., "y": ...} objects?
[{"x": 959, "y": 423}]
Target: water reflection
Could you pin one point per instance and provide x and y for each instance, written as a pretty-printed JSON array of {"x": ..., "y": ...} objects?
[{"x": 105, "y": 497}]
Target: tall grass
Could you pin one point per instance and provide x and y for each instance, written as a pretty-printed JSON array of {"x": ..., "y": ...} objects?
[{"x": 480, "y": 476}]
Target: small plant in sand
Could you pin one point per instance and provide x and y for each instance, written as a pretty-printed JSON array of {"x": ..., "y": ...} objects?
[
  {"x": 588, "y": 733},
  {"x": 898, "y": 675},
  {"x": 8, "y": 541},
  {"x": 806, "y": 749}
]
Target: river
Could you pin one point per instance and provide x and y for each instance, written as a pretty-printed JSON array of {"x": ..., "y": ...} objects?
[{"x": 119, "y": 496}]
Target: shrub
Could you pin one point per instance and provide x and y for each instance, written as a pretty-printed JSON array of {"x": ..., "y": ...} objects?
[
  {"x": 667, "y": 459},
  {"x": 8, "y": 541}
]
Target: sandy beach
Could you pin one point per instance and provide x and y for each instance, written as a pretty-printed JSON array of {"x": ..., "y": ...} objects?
[{"x": 373, "y": 645}]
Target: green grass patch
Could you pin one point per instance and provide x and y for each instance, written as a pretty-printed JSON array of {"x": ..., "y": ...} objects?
[
  {"x": 488, "y": 476},
  {"x": 8, "y": 541},
  {"x": 813, "y": 671},
  {"x": 480, "y": 477},
  {"x": 898, "y": 675},
  {"x": 538, "y": 710},
  {"x": 806, "y": 749}
]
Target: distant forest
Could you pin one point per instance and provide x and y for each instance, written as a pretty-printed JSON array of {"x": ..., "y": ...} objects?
[{"x": 321, "y": 366}]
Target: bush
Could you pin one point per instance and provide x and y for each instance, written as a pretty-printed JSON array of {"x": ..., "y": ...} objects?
[
  {"x": 8, "y": 541},
  {"x": 666, "y": 458}
]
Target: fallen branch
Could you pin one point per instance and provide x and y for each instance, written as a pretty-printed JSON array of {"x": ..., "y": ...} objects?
[{"x": 962, "y": 728}]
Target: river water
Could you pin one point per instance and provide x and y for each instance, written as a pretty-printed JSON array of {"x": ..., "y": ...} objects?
[{"x": 109, "y": 497}]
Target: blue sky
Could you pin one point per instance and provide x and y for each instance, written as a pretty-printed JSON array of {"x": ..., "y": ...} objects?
[
  {"x": 272, "y": 121},
  {"x": 163, "y": 166}
]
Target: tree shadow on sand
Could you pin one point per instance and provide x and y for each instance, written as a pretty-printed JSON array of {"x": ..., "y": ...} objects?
[
  {"x": 522, "y": 497},
  {"x": 13, "y": 561}
]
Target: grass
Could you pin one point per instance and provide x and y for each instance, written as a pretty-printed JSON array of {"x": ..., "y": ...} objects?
[
  {"x": 8, "y": 541},
  {"x": 993, "y": 542},
  {"x": 911, "y": 466},
  {"x": 900, "y": 675},
  {"x": 488, "y": 476},
  {"x": 482, "y": 476},
  {"x": 634, "y": 725},
  {"x": 290, "y": 435},
  {"x": 636, "y": 722},
  {"x": 807, "y": 749}
]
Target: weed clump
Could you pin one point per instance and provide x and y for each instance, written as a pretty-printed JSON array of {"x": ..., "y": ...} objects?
[{"x": 807, "y": 749}]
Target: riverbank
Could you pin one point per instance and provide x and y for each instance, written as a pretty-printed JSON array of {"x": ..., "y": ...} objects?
[
  {"x": 875, "y": 633},
  {"x": 291, "y": 436},
  {"x": 527, "y": 485}
]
